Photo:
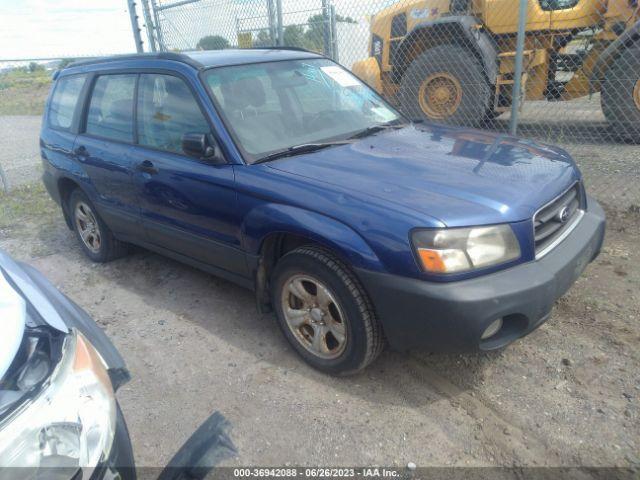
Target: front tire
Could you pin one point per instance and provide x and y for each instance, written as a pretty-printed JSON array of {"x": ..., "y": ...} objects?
[
  {"x": 620, "y": 96},
  {"x": 446, "y": 84},
  {"x": 324, "y": 312},
  {"x": 96, "y": 239}
]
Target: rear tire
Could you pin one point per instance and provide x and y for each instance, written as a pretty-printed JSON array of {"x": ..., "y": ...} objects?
[
  {"x": 329, "y": 319},
  {"x": 96, "y": 239},
  {"x": 446, "y": 84},
  {"x": 620, "y": 96}
]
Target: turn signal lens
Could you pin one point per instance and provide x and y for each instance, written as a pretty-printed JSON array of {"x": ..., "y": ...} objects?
[
  {"x": 461, "y": 249},
  {"x": 443, "y": 261},
  {"x": 431, "y": 260}
]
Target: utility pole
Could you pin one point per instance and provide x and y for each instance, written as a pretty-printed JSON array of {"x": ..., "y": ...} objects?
[{"x": 134, "y": 26}]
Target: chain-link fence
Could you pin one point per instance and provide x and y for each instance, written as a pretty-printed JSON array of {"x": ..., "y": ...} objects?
[
  {"x": 573, "y": 79},
  {"x": 575, "y": 73}
]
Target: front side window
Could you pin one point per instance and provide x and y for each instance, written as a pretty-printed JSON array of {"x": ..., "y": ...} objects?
[
  {"x": 111, "y": 108},
  {"x": 166, "y": 111},
  {"x": 64, "y": 101},
  {"x": 273, "y": 106}
]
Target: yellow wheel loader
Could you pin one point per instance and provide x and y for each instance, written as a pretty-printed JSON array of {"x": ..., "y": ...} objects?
[{"x": 453, "y": 60}]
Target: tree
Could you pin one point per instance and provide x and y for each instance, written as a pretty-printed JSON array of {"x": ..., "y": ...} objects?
[
  {"x": 33, "y": 67},
  {"x": 263, "y": 39},
  {"x": 212, "y": 42},
  {"x": 294, "y": 36},
  {"x": 314, "y": 36}
]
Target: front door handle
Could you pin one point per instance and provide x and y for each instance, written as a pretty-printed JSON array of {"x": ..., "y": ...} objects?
[{"x": 147, "y": 167}]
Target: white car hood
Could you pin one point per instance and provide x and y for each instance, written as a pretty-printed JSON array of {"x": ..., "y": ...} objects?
[{"x": 13, "y": 312}]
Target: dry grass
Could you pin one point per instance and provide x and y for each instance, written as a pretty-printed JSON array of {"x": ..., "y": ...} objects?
[{"x": 23, "y": 92}]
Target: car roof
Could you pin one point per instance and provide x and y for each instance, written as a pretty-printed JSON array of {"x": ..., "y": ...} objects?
[
  {"x": 208, "y": 58},
  {"x": 237, "y": 56}
]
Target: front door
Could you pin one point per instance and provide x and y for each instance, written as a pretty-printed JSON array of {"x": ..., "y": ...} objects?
[{"x": 188, "y": 206}]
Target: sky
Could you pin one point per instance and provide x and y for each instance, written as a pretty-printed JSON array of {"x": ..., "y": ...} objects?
[
  {"x": 64, "y": 28},
  {"x": 73, "y": 28}
]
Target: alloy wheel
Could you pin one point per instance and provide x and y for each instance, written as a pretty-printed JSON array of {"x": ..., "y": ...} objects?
[
  {"x": 88, "y": 227},
  {"x": 314, "y": 316}
]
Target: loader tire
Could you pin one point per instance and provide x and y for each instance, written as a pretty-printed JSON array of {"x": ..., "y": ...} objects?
[
  {"x": 620, "y": 95},
  {"x": 446, "y": 84}
]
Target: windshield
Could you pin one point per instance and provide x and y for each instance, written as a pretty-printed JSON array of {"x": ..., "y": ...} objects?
[{"x": 273, "y": 106}]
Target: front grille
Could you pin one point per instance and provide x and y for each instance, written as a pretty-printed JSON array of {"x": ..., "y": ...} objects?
[{"x": 554, "y": 219}]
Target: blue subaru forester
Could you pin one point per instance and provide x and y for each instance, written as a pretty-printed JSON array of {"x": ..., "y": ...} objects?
[{"x": 281, "y": 171}]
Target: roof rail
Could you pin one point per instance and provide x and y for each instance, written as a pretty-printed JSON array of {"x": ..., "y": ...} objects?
[
  {"x": 177, "y": 57},
  {"x": 277, "y": 47}
]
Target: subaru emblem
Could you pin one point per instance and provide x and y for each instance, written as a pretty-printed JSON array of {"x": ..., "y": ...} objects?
[{"x": 563, "y": 215}]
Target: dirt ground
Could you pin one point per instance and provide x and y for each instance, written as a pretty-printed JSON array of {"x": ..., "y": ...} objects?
[{"x": 567, "y": 395}]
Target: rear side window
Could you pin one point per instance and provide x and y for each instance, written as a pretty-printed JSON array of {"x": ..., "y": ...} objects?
[
  {"x": 166, "y": 111},
  {"x": 64, "y": 100},
  {"x": 111, "y": 108}
]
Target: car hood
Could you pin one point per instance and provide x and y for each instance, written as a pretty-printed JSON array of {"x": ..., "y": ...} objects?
[
  {"x": 459, "y": 176},
  {"x": 60, "y": 313},
  {"x": 13, "y": 312}
]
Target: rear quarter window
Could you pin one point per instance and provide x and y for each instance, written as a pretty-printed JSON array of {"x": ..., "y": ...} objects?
[{"x": 64, "y": 101}]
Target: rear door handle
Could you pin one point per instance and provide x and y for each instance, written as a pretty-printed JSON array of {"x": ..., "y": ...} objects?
[
  {"x": 81, "y": 151},
  {"x": 147, "y": 167}
]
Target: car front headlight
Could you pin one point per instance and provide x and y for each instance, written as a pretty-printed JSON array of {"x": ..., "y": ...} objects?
[
  {"x": 455, "y": 250},
  {"x": 70, "y": 421}
]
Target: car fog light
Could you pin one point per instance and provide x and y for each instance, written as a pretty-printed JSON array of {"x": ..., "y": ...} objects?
[{"x": 492, "y": 329}]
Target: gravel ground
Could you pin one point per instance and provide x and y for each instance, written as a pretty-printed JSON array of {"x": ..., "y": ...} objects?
[
  {"x": 568, "y": 394},
  {"x": 19, "y": 151}
]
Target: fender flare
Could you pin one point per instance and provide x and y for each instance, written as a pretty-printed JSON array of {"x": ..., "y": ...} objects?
[
  {"x": 272, "y": 218},
  {"x": 629, "y": 37},
  {"x": 477, "y": 40}
]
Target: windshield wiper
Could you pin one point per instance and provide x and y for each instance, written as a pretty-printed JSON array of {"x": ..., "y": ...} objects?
[
  {"x": 299, "y": 150},
  {"x": 393, "y": 125}
]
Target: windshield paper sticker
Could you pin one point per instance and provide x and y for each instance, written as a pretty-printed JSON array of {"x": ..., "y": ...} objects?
[{"x": 342, "y": 77}]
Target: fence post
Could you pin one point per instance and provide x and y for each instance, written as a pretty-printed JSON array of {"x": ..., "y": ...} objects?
[
  {"x": 279, "y": 21},
  {"x": 326, "y": 28},
  {"x": 156, "y": 18},
  {"x": 517, "y": 79},
  {"x": 335, "y": 55},
  {"x": 5, "y": 182},
  {"x": 272, "y": 22},
  {"x": 133, "y": 16},
  {"x": 148, "y": 21}
]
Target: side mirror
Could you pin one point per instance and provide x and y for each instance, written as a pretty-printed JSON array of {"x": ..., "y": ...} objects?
[{"x": 202, "y": 146}]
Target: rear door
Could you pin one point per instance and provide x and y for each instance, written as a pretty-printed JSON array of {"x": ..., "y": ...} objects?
[
  {"x": 104, "y": 149},
  {"x": 59, "y": 125},
  {"x": 188, "y": 206}
]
